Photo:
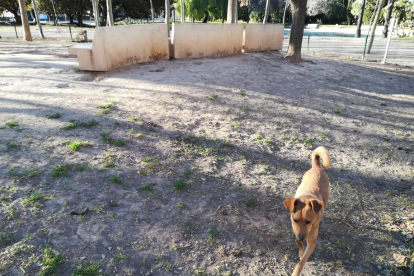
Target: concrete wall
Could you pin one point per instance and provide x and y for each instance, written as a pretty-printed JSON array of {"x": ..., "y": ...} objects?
[
  {"x": 196, "y": 40},
  {"x": 263, "y": 37},
  {"x": 118, "y": 46}
]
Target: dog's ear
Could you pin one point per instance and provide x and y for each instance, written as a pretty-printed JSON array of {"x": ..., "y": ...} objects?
[
  {"x": 293, "y": 205},
  {"x": 316, "y": 205}
]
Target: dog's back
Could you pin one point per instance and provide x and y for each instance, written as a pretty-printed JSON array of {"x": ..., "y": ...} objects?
[{"x": 315, "y": 182}]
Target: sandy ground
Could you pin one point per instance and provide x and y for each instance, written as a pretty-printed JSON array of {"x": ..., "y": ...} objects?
[{"x": 239, "y": 131}]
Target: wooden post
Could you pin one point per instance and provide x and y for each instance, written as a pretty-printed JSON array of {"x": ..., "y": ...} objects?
[
  {"x": 38, "y": 19},
  {"x": 27, "y": 36},
  {"x": 167, "y": 15}
]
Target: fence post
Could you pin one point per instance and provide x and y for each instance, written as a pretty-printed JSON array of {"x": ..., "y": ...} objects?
[
  {"x": 308, "y": 41},
  {"x": 70, "y": 33},
  {"x": 16, "y": 31},
  {"x": 389, "y": 39}
]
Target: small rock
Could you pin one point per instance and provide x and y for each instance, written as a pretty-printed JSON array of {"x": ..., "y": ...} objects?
[
  {"x": 379, "y": 267},
  {"x": 398, "y": 258},
  {"x": 401, "y": 246},
  {"x": 62, "y": 85},
  {"x": 84, "y": 212},
  {"x": 17, "y": 200},
  {"x": 373, "y": 220},
  {"x": 399, "y": 148},
  {"x": 383, "y": 104}
]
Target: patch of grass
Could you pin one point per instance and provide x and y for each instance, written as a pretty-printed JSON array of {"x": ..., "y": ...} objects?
[
  {"x": 134, "y": 118},
  {"x": 60, "y": 170},
  {"x": 89, "y": 269},
  {"x": 29, "y": 173},
  {"x": 180, "y": 185},
  {"x": 110, "y": 141},
  {"x": 120, "y": 256},
  {"x": 35, "y": 197},
  {"x": 105, "y": 111},
  {"x": 115, "y": 179},
  {"x": 139, "y": 135},
  {"x": 54, "y": 116},
  {"x": 81, "y": 124},
  {"x": 146, "y": 159},
  {"x": 50, "y": 264},
  {"x": 187, "y": 172},
  {"x": 10, "y": 146},
  {"x": 147, "y": 188},
  {"x": 12, "y": 124},
  {"x": 154, "y": 134},
  {"x": 5, "y": 238},
  {"x": 243, "y": 108},
  {"x": 142, "y": 173},
  {"x": 180, "y": 205},
  {"x": 212, "y": 235},
  {"x": 249, "y": 202},
  {"x": 105, "y": 106},
  {"x": 212, "y": 96},
  {"x": 76, "y": 145},
  {"x": 323, "y": 135},
  {"x": 336, "y": 111},
  {"x": 81, "y": 168}
]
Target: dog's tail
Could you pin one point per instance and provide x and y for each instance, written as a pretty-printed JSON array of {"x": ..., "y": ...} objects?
[{"x": 320, "y": 152}]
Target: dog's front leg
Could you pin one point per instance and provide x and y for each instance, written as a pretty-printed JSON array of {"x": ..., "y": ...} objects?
[
  {"x": 301, "y": 249},
  {"x": 311, "y": 241}
]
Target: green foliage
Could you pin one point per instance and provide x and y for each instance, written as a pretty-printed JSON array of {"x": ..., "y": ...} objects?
[
  {"x": 180, "y": 185},
  {"x": 55, "y": 116},
  {"x": 90, "y": 269},
  {"x": 115, "y": 179},
  {"x": 12, "y": 124},
  {"x": 249, "y": 202},
  {"x": 50, "y": 263},
  {"x": 60, "y": 170},
  {"x": 110, "y": 141},
  {"x": 76, "y": 145},
  {"x": 82, "y": 124},
  {"x": 83, "y": 167},
  {"x": 29, "y": 173},
  {"x": 147, "y": 188},
  {"x": 10, "y": 146}
]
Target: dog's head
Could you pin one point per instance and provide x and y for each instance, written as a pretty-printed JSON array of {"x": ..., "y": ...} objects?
[{"x": 303, "y": 213}]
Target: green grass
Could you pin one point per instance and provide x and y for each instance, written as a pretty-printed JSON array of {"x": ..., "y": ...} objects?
[
  {"x": 187, "y": 172},
  {"x": 60, "y": 170},
  {"x": 147, "y": 188},
  {"x": 336, "y": 111},
  {"x": 212, "y": 96},
  {"x": 106, "y": 106},
  {"x": 146, "y": 159},
  {"x": 81, "y": 124},
  {"x": 110, "y": 141},
  {"x": 115, "y": 179},
  {"x": 55, "y": 116},
  {"x": 139, "y": 135},
  {"x": 403, "y": 38},
  {"x": 134, "y": 118},
  {"x": 35, "y": 197},
  {"x": 212, "y": 235},
  {"x": 76, "y": 145},
  {"x": 90, "y": 269},
  {"x": 12, "y": 124},
  {"x": 10, "y": 146},
  {"x": 180, "y": 185},
  {"x": 50, "y": 263},
  {"x": 29, "y": 173},
  {"x": 83, "y": 167},
  {"x": 249, "y": 202},
  {"x": 105, "y": 111},
  {"x": 5, "y": 238}
]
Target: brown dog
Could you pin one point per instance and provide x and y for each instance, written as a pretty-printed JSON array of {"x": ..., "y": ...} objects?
[{"x": 308, "y": 206}]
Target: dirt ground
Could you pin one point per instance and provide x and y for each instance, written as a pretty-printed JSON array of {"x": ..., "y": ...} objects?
[{"x": 223, "y": 142}]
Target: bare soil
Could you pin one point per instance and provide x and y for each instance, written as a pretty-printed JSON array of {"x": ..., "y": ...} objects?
[{"x": 239, "y": 131}]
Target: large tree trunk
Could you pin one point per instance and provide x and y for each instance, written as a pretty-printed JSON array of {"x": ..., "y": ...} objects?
[
  {"x": 54, "y": 14},
  {"x": 284, "y": 12},
  {"x": 372, "y": 34},
  {"x": 27, "y": 36},
  {"x": 360, "y": 19},
  {"x": 298, "y": 8},
  {"x": 110, "y": 16},
  {"x": 95, "y": 6},
  {"x": 38, "y": 19},
  {"x": 152, "y": 11},
  {"x": 167, "y": 15},
  {"x": 266, "y": 15},
  {"x": 387, "y": 18},
  {"x": 206, "y": 16},
  {"x": 231, "y": 11}
]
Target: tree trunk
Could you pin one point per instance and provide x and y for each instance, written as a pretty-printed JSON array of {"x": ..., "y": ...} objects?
[
  {"x": 167, "y": 15},
  {"x": 372, "y": 16},
  {"x": 387, "y": 18},
  {"x": 372, "y": 34},
  {"x": 109, "y": 16},
  {"x": 152, "y": 11},
  {"x": 54, "y": 14},
  {"x": 298, "y": 8},
  {"x": 95, "y": 6},
  {"x": 231, "y": 16},
  {"x": 27, "y": 36},
  {"x": 360, "y": 19},
  {"x": 79, "y": 18},
  {"x": 266, "y": 15},
  {"x": 284, "y": 13},
  {"x": 38, "y": 19},
  {"x": 71, "y": 19},
  {"x": 182, "y": 11},
  {"x": 206, "y": 15}
]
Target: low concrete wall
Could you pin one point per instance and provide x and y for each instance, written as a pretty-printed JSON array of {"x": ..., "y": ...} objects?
[
  {"x": 118, "y": 46},
  {"x": 263, "y": 37},
  {"x": 197, "y": 40}
]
